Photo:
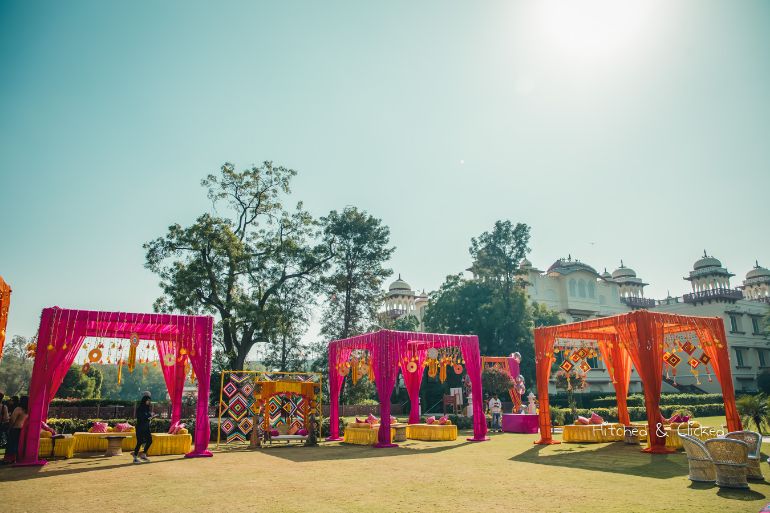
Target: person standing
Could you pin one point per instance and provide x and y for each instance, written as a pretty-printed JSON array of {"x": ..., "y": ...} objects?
[
  {"x": 496, "y": 408},
  {"x": 17, "y": 420},
  {"x": 143, "y": 435},
  {"x": 5, "y": 418}
]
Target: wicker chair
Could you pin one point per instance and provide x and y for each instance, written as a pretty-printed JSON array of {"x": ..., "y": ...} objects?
[
  {"x": 701, "y": 465},
  {"x": 730, "y": 459},
  {"x": 754, "y": 441}
]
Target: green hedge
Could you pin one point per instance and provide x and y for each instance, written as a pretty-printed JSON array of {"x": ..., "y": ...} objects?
[
  {"x": 561, "y": 416},
  {"x": 79, "y": 425},
  {"x": 665, "y": 399},
  {"x": 92, "y": 402}
]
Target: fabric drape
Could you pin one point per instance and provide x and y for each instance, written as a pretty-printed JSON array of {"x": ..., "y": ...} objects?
[
  {"x": 387, "y": 354},
  {"x": 618, "y": 364},
  {"x": 470, "y": 349},
  {"x": 713, "y": 339},
  {"x": 514, "y": 369},
  {"x": 544, "y": 340},
  {"x": 337, "y": 355},
  {"x": 412, "y": 381},
  {"x": 174, "y": 376},
  {"x": 200, "y": 359}
]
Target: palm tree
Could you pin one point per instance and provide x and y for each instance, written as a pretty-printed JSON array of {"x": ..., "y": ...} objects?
[{"x": 754, "y": 410}]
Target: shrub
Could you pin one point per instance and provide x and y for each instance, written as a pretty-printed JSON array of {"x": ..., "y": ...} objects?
[
  {"x": 157, "y": 425},
  {"x": 665, "y": 399},
  {"x": 636, "y": 413}
]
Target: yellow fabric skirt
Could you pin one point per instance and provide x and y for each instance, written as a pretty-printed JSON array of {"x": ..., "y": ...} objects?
[
  {"x": 362, "y": 436},
  {"x": 95, "y": 442},
  {"x": 593, "y": 433},
  {"x": 163, "y": 444},
  {"x": 431, "y": 432},
  {"x": 65, "y": 447}
]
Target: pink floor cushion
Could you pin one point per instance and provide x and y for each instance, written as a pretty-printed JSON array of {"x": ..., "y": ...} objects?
[
  {"x": 274, "y": 432},
  {"x": 98, "y": 427},
  {"x": 302, "y": 432},
  {"x": 596, "y": 419},
  {"x": 444, "y": 420},
  {"x": 430, "y": 420},
  {"x": 582, "y": 421},
  {"x": 124, "y": 427}
]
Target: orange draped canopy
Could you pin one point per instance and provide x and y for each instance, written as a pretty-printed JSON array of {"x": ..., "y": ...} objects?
[
  {"x": 5, "y": 300},
  {"x": 636, "y": 337}
]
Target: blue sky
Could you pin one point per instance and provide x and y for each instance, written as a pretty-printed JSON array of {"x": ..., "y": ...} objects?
[{"x": 634, "y": 130}]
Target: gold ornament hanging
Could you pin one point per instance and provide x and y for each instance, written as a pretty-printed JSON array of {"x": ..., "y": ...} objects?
[{"x": 95, "y": 355}]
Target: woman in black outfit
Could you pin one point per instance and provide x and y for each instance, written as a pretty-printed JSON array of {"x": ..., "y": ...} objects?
[{"x": 143, "y": 436}]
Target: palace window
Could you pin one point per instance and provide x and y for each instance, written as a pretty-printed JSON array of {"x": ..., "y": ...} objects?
[
  {"x": 762, "y": 361},
  {"x": 582, "y": 288},
  {"x": 733, "y": 323},
  {"x": 755, "y": 325},
  {"x": 591, "y": 289},
  {"x": 572, "y": 285},
  {"x": 739, "y": 357}
]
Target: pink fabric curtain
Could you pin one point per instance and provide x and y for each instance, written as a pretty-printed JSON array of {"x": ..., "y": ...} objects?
[
  {"x": 514, "y": 369},
  {"x": 469, "y": 345},
  {"x": 387, "y": 350},
  {"x": 337, "y": 354},
  {"x": 47, "y": 375},
  {"x": 413, "y": 380},
  {"x": 200, "y": 359},
  {"x": 174, "y": 377}
]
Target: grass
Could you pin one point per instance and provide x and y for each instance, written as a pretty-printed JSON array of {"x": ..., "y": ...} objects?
[{"x": 508, "y": 473}]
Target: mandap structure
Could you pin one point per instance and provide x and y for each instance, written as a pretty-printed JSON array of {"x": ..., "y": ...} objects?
[
  {"x": 5, "y": 301},
  {"x": 387, "y": 352},
  {"x": 180, "y": 340},
  {"x": 512, "y": 366},
  {"x": 650, "y": 341}
]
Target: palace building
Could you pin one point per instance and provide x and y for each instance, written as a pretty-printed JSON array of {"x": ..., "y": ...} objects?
[{"x": 578, "y": 292}]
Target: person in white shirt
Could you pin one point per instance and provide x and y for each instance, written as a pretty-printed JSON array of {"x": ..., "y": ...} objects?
[{"x": 496, "y": 408}]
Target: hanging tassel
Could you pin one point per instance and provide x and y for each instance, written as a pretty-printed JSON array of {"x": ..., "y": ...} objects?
[
  {"x": 442, "y": 372},
  {"x": 120, "y": 371},
  {"x": 132, "y": 355},
  {"x": 354, "y": 370}
]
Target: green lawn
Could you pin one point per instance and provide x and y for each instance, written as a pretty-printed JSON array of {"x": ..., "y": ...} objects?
[{"x": 508, "y": 473}]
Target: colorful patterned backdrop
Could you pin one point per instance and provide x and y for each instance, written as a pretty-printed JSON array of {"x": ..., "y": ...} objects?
[
  {"x": 237, "y": 407},
  {"x": 287, "y": 409}
]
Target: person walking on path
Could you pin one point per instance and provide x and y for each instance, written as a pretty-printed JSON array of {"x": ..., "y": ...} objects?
[{"x": 143, "y": 435}]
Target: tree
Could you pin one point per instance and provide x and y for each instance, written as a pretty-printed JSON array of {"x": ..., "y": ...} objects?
[
  {"x": 496, "y": 381},
  {"x": 569, "y": 382},
  {"x": 502, "y": 321},
  {"x": 289, "y": 314},
  {"x": 16, "y": 367},
  {"x": 497, "y": 254},
  {"x": 354, "y": 286},
  {"x": 406, "y": 323},
  {"x": 753, "y": 410},
  {"x": 80, "y": 385},
  {"x": 544, "y": 316},
  {"x": 234, "y": 266}
]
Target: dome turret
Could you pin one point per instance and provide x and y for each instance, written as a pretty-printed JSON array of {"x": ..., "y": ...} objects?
[{"x": 399, "y": 286}]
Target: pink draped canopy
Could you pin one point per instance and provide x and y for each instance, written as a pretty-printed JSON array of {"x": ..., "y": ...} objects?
[
  {"x": 388, "y": 350},
  {"x": 61, "y": 335}
]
